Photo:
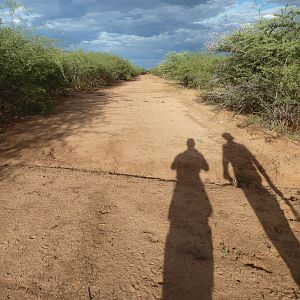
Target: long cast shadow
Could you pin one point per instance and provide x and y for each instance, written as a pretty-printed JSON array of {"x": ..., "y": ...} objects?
[
  {"x": 248, "y": 171},
  {"x": 188, "y": 261}
]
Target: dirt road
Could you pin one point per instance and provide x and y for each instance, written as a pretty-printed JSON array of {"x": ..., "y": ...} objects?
[{"x": 138, "y": 192}]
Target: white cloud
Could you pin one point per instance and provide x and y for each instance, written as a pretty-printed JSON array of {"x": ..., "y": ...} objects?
[
  {"x": 143, "y": 30},
  {"x": 21, "y": 16},
  {"x": 239, "y": 15}
]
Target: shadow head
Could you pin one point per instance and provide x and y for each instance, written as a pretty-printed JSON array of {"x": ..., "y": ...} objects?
[
  {"x": 190, "y": 143},
  {"x": 228, "y": 137}
]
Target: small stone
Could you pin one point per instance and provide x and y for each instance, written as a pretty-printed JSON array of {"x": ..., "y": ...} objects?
[
  {"x": 122, "y": 288},
  {"x": 135, "y": 286},
  {"x": 132, "y": 289}
]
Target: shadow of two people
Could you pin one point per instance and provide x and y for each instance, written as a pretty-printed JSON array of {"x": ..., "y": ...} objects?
[{"x": 188, "y": 261}]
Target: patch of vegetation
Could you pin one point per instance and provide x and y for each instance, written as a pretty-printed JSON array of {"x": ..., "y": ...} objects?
[
  {"x": 262, "y": 74},
  {"x": 224, "y": 249},
  {"x": 259, "y": 76},
  {"x": 33, "y": 70},
  {"x": 191, "y": 69},
  {"x": 90, "y": 70}
]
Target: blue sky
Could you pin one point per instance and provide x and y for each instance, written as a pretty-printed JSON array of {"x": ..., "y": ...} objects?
[{"x": 143, "y": 31}]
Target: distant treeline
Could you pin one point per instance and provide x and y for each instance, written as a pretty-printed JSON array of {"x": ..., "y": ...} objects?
[
  {"x": 33, "y": 71},
  {"x": 259, "y": 73}
]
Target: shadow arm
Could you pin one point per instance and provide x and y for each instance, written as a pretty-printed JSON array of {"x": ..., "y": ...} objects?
[
  {"x": 174, "y": 165},
  {"x": 205, "y": 165},
  {"x": 274, "y": 188},
  {"x": 266, "y": 176}
]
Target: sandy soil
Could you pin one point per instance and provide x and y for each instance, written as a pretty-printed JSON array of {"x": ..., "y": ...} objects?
[{"x": 138, "y": 192}]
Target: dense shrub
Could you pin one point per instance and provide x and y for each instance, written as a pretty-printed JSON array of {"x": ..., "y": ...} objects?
[
  {"x": 260, "y": 73},
  {"x": 195, "y": 70},
  {"x": 29, "y": 74},
  {"x": 90, "y": 70},
  {"x": 33, "y": 71}
]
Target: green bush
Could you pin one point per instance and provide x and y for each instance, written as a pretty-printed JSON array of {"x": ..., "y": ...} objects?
[
  {"x": 29, "y": 74},
  {"x": 195, "y": 70},
  {"x": 33, "y": 71},
  {"x": 259, "y": 73},
  {"x": 90, "y": 70},
  {"x": 262, "y": 73}
]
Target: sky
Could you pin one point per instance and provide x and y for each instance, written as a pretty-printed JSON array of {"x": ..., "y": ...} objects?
[{"x": 142, "y": 31}]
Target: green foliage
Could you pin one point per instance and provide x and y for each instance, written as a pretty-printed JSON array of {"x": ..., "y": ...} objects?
[
  {"x": 90, "y": 70},
  {"x": 195, "y": 70},
  {"x": 33, "y": 70},
  {"x": 29, "y": 74},
  {"x": 262, "y": 74}
]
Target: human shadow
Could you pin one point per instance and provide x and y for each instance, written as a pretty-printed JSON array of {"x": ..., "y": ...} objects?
[
  {"x": 248, "y": 173},
  {"x": 188, "y": 260}
]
